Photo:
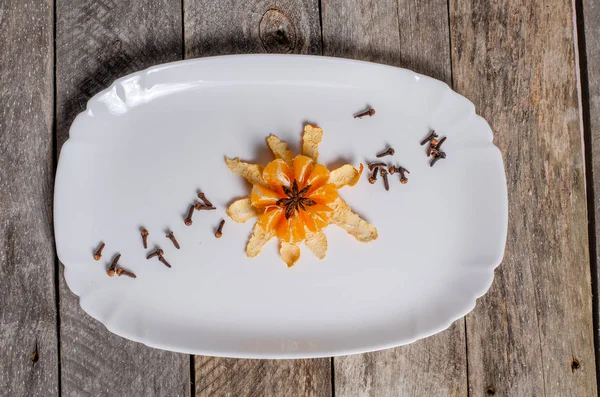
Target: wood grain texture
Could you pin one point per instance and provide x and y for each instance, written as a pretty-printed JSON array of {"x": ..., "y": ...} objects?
[
  {"x": 412, "y": 34},
  {"x": 589, "y": 30},
  {"x": 256, "y": 26},
  {"x": 515, "y": 61},
  {"x": 28, "y": 332},
  {"x": 98, "y": 42},
  {"x": 229, "y": 377}
]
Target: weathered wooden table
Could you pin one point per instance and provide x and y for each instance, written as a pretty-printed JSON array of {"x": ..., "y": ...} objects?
[{"x": 531, "y": 68}]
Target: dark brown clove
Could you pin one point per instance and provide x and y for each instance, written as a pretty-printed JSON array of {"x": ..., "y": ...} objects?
[
  {"x": 429, "y": 137},
  {"x": 188, "y": 220},
  {"x": 171, "y": 237},
  {"x": 388, "y": 152},
  {"x": 164, "y": 261},
  {"x": 200, "y": 207},
  {"x": 376, "y": 164},
  {"x": 440, "y": 155},
  {"x": 113, "y": 266},
  {"x": 370, "y": 112},
  {"x": 437, "y": 146},
  {"x": 98, "y": 253},
  {"x": 373, "y": 176},
  {"x": 384, "y": 175},
  {"x": 219, "y": 231},
  {"x": 157, "y": 252},
  {"x": 123, "y": 272},
  {"x": 145, "y": 233},
  {"x": 202, "y": 197}
]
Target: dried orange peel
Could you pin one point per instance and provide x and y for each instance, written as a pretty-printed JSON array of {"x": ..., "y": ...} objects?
[{"x": 295, "y": 198}]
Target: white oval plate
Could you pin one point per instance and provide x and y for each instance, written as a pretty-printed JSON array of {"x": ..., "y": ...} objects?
[{"x": 143, "y": 148}]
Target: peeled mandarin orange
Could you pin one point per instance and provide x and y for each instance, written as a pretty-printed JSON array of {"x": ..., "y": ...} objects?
[{"x": 318, "y": 177}]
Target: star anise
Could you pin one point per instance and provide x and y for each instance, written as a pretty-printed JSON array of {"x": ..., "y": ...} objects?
[{"x": 295, "y": 199}]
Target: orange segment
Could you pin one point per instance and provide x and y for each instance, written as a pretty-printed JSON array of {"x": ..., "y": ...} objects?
[
  {"x": 308, "y": 220},
  {"x": 321, "y": 214},
  {"x": 291, "y": 229},
  {"x": 277, "y": 174},
  {"x": 270, "y": 218},
  {"x": 318, "y": 177},
  {"x": 325, "y": 194},
  {"x": 262, "y": 197},
  {"x": 303, "y": 167}
]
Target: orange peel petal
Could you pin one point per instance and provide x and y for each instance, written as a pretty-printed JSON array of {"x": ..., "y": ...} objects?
[
  {"x": 277, "y": 174},
  {"x": 262, "y": 197},
  {"x": 280, "y": 149},
  {"x": 345, "y": 218},
  {"x": 289, "y": 253},
  {"x": 251, "y": 172},
  {"x": 303, "y": 167},
  {"x": 241, "y": 210},
  {"x": 346, "y": 175},
  {"x": 310, "y": 141},
  {"x": 317, "y": 243},
  {"x": 257, "y": 240}
]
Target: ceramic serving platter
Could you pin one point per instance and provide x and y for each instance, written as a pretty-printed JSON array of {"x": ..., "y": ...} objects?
[{"x": 144, "y": 147}]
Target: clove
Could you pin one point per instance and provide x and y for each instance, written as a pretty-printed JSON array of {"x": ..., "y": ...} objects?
[
  {"x": 370, "y": 112},
  {"x": 164, "y": 261},
  {"x": 401, "y": 171},
  {"x": 200, "y": 207},
  {"x": 145, "y": 238},
  {"x": 388, "y": 152},
  {"x": 157, "y": 252},
  {"x": 384, "y": 175},
  {"x": 202, "y": 197},
  {"x": 98, "y": 253},
  {"x": 188, "y": 220},
  {"x": 113, "y": 266},
  {"x": 373, "y": 176},
  {"x": 219, "y": 231},
  {"x": 376, "y": 164},
  {"x": 171, "y": 237},
  {"x": 440, "y": 155},
  {"x": 431, "y": 136},
  {"x": 123, "y": 272}
]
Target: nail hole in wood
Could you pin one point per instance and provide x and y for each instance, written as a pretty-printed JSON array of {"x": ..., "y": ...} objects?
[
  {"x": 575, "y": 364},
  {"x": 490, "y": 390},
  {"x": 34, "y": 357}
]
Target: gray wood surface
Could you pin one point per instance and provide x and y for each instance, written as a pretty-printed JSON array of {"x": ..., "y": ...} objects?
[
  {"x": 516, "y": 62},
  {"x": 412, "y": 34},
  {"x": 234, "y": 27},
  {"x": 262, "y": 378},
  {"x": 254, "y": 26},
  {"x": 532, "y": 334},
  {"x": 28, "y": 332},
  {"x": 98, "y": 42},
  {"x": 590, "y": 70}
]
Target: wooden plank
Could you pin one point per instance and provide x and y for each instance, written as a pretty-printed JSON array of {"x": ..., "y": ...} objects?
[
  {"x": 98, "y": 42},
  {"x": 234, "y": 27},
  {"x": 515, "y": 61},
  {"x": 264, "y": 378},
  {"x": 412, "y": 34},
  {"x": 589, "y": 47},
  {"x": 28, "y": 332},
  {"x": 239, "y": 27}
]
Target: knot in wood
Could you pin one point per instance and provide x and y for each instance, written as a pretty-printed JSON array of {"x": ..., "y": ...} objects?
[{"x": 277, "y": 32}]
